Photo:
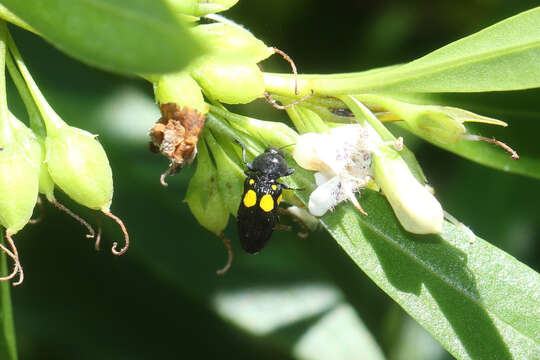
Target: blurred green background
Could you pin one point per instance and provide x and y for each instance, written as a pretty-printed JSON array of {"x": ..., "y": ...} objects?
[{"x": 299, "y": 298}]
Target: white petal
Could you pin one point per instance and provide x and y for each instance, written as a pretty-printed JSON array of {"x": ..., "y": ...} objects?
[
  {"x": 305, "y": 151},
  {"x": 321, "y": 178},
  {"x": 325, "y": 197},
  {"x": 416, "y": 209}
]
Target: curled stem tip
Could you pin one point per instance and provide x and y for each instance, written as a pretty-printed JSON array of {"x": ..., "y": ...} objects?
[
  {"x": 227, "y": 244},
  {"x": 39, "y": 202},
  {"x": 293, "y": 67},
  {"x": 17, "y": 268},
  {"x": 91, "y": 233},
  {"x": 285, "y": 107},
  {"x": 512, "y": 152},
  {"x": 171, "y": 170},
  {"x": 126, "y": 235}
]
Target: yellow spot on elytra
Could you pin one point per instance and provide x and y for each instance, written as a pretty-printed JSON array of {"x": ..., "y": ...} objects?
[
  {"x": 250, "y": 198},
  {"x": 251, "y": 181},
  {"x": 279, "y": 198},
  {"x": 267, "y": 203},
  {"x": 274, "y": 187}
]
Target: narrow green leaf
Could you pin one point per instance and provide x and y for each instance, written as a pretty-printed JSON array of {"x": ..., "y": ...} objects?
[
  {"x": 501, "y": 57},
  {"x": 8, "y": 347},
  {"x": 137, "y": 36},
  {"x": 476, "y": 300}
]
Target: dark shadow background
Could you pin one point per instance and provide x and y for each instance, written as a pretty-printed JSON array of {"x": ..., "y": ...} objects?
[{"x": 154, "y": 302}]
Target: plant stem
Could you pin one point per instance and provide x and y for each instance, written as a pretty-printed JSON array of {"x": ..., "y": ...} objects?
[
  {"x": 6, "y": 134},
  {"x": 53, "y": 122},
  {"x": 8, "y": 346},
  {"x": 334, "y": 84},
  {"x": 14, "y": 19},
  {"x": 36, "y": 122}
]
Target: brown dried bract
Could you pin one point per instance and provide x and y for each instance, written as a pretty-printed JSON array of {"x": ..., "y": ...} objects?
[{"x": 175, "y": 135}]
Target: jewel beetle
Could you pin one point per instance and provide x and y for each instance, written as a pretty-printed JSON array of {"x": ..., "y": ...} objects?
[{"x": 258, "y": 211}]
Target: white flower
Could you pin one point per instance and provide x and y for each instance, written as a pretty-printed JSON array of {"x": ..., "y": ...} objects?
[
  {"x": 348, "y": 157},
  {"x": 342, "y": 157}
]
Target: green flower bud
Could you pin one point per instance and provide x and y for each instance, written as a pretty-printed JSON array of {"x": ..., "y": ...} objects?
[
  {"x": 230, "y": 177},
  {"x": 232, "y": 41},
  {"x": 415, "y": 207},
  {"x": 229, "y": 80},
  {"x": 79, "y": 166},
  {"x": 19, "y": 175},
  {"x": 203, "y": 196},
  {"x": 180, "y": 88},
  {"x": 306, "y": 120},
  {"x": 442, "y": 124},
  {"x": 35, "y": 148}
]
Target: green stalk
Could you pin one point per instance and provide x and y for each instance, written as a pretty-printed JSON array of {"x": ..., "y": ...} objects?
[
  {"x": 14, "y": 19},
  {"x": 36, "y": 122},
  {"x": 6, "y": 134},
  {"x": 334, "y": 84},
  {"x": 8, "y": 345},
  {"x": 53, "y": 122}
]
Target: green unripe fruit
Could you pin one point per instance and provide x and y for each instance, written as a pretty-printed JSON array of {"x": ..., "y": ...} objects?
[
  {"x": 35, "y": 149},
  {"x": 229, "y": 80},
  {"x": 79, "y": 166},
  {"x": 232, "y": 41},
  {"x": 180, "y": 88},
  {"x": 46, "y": 183},
  {"x": 19, "y": 177}
]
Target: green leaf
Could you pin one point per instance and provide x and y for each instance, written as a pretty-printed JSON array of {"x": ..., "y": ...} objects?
[
  {"x": 503, "y": 56},
  {"x": 476, "y": 300},
  {"x": 136, "y": 36},
  {"x": 8, "y": 347}
]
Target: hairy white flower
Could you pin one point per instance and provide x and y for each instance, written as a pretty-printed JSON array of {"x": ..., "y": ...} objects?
[
  {"x": 342, "y": 157},
  {"x": 348, "y": 157}
]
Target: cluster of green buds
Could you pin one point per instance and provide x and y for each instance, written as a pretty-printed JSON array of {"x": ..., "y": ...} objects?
[
  {"x": 342, "y": 138},
  {"x": 49, "y": 154},
  {"x": 362, "y": 153}
]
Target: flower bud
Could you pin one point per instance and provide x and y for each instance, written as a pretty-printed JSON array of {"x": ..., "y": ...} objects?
[
  {"x": 415, "y": 207},
  {"x": 35, "y": 148},
  {"x": 203, "y": 196},
  {"x": 180, "y": 88},
  {"x": 232, "y": 41},
  {"x": 305, "y": 152},
  {"x": 19, "y": 177},
  {"x": 442, "y": 124},
  {"x": 230, "y": 177},
  {"x": 228, "y": 79},
  {"x": 79, "y": 166}
]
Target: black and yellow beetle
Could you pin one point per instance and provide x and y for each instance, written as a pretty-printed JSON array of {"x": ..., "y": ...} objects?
[{"x": 258, "y": 211}]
